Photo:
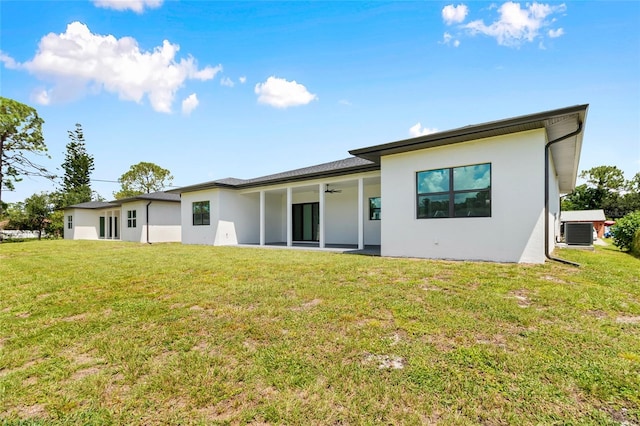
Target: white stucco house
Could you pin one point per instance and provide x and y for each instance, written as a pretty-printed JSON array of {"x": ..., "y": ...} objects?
[
  {"x": 146, "y": 218},
  {"x": 489, "y": 192}
]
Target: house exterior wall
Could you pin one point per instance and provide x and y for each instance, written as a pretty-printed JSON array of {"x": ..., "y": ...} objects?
[
  {"x": 239, "y": 218},
  {"x": 163, "y": 222},
  {"x": 133, "y": 233},
  {"x": 234, "y": 218},
  {"x": 85, "y": 224},
  {"x": 513, "y": 233},
  {"x": 235, "y": 215},
  {"x": 199, "y": 234},
  {"x": 554, "y": 207},
  {"x": 275, "y": 218}
]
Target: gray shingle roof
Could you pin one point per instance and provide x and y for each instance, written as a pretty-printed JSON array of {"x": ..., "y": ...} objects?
[
  {"x": 325, "y": 168},
  {"x": 332, "y": 168},
  {"x": 154, "y": 196},
  {"x": 92, "y": 205}
]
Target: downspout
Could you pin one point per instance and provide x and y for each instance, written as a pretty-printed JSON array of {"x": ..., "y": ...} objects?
[
  {"x": 148, "y": 221},
  {"x": 546, "y": 194}
]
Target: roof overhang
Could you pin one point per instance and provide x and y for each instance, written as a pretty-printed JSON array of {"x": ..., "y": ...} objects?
[
  {"x": 307, "y": 173},
  {"x": 557, "y": 123}
]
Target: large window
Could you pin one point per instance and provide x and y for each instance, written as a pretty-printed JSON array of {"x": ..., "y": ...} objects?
[
  {"x": 454, "y": 192},
  {"x": 131, "y": 218},
  {"x": 200, "y": 211},
  {"x": 374, "y": 208}
]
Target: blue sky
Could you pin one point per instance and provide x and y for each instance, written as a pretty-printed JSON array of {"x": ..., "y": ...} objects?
[{"x": 216, "y": 89}]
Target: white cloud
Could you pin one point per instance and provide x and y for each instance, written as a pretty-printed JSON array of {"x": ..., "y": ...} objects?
[
  {"x": 190, "y": 103},
  {"x": 281, "y": 93},
  {"x": 8, "y": 61},
  {"x": 556, "y": 33},
  {"x": 137, "y": 6},
  {"x": 454, "y": 14},
  {"x": 242, "y": 80},
  {"x": 344, "y": 102},
  {"x": 417, "y": 130},
  {"x": 449, "y": 40},
  {"x": 226, "y": 81},
  {"x": 516, "y": 25},
  {"x": 41, "y": 96},
  {"x": 78, "y": 61}
]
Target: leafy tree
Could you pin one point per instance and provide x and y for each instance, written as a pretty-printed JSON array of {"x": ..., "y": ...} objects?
[
  {"x": 625, "y": 229},
  {"x": 38, "y": 207},
  {"x": 143, "y": 178},
  {"x": 582, "y": 198},
  {"x": 631, "y": 200},
  {"x": 17, "y": 216},
  {"x": 605, "y": 189},
  {"x": 77, "y": 165},
  {"x": 20, "y": 134},
  {"x": 34, "y": 214},
  {"x": 609, "y": 178}
]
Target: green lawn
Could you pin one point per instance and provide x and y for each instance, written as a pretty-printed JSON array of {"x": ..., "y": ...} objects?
[{"x": 122, "y": 333}]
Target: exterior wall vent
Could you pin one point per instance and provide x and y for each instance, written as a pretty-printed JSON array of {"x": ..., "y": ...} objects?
[{"x": 578, "y": 233}]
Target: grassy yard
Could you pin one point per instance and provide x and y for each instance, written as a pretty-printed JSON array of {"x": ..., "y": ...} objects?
[{"x": 122, "y": 333}]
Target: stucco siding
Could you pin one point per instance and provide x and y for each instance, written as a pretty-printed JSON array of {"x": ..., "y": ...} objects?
[
  {"x": 554, "y": 206},
  {"x": 198, "y": 234},
  {"x": 513, "y": 233},
  {"x": 85, "y": 224},
  {"x": 239, "y": 218},
  {"x": 275, "y": 217},
  {"x": 133, "y": 233}
]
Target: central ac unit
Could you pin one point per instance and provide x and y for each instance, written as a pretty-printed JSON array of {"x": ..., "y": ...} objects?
[{"x": 578, "y": 233}]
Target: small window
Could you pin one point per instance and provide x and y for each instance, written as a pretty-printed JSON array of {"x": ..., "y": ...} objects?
[
  {"x": 69, "y": 222},
  {"x": 131, "y": 218},
  {"x": 200, "y": 210},
  {"x": 374, "y": 208},
  {"x": 454, "y": 192}
]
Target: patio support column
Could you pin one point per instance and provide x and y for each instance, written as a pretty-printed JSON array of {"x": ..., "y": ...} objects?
[
  {"x": 321, "y": 208},
  {"x": 262, "y": 218},
  {"x": 289, "y": 217},
  {"x": 360, "y": 214}
]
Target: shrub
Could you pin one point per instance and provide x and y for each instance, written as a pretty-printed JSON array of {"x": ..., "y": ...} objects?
[
  {"x": 635, "y": 248},
  {"x": 625, "y": 229}
]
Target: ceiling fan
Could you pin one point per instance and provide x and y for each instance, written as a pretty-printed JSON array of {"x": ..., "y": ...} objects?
[{"x": 331, "y": 191}]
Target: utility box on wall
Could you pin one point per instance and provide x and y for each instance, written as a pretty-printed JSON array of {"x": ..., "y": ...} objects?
[{"x": 578, "y": 233}]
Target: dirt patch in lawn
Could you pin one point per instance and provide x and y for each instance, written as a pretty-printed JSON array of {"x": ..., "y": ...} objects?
[
  {"x": 385, "y": 362},
  {"x": 597, "y": 314},
  {"x": 555, "y": 279},
  {"x": 80, "y": 374},
  {"x": 31, "y": 411},
  {"x": 75, "y": 318},
  {"x": 628, "y": 319},
  {"x": 308, "y": 305},
  {"x": 522, "y": 296}
]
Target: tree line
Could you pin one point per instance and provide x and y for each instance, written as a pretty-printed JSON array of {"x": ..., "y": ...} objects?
[
  {"x": 606, "y": 188},
  {"x": 21, "y": 138}
]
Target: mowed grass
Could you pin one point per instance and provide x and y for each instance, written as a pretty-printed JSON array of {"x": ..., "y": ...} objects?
[{"x": 122, "y": 333}]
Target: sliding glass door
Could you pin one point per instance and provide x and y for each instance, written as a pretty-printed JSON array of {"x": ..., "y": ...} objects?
[{"x": 306, "y": 221}]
